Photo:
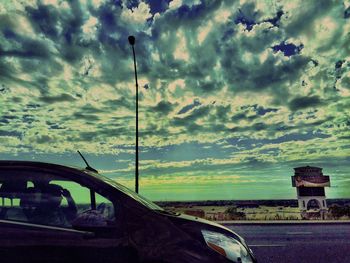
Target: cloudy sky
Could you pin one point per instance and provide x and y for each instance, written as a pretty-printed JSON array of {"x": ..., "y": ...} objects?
[{"x": 233, "y": 94}]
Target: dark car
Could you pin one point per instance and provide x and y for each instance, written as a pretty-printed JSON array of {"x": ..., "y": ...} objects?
[{"x": 54, "y": 213}]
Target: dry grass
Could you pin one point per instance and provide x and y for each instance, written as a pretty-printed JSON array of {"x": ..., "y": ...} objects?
[{"x": 258, "y": 213}]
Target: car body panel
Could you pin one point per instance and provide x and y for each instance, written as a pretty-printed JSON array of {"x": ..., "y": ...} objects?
[{"x": 21, "y": 242}]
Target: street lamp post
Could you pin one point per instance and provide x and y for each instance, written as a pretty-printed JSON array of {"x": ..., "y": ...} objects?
[{"x": 132, "y": 43}]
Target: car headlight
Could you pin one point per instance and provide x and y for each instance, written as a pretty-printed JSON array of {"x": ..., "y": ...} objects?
[{"x": 227, "y": 246}]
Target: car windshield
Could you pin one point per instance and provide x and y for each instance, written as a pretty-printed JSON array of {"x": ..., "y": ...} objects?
[{"x": 128, "y": 192}]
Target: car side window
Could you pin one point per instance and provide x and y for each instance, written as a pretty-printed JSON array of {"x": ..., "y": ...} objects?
[
  {"x": 92, "y": 209},
  {"x": 48, "y": 199},
  {"x": 105, "y": 206}
]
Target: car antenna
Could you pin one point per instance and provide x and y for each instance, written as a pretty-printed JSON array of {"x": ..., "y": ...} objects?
[{"x": 88, "y": 167}]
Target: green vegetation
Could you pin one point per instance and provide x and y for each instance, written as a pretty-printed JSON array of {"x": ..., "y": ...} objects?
[{"x": 234, "y": 214}]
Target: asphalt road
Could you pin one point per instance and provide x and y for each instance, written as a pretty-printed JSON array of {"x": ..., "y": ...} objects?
[{"x": 297, "y": 243}]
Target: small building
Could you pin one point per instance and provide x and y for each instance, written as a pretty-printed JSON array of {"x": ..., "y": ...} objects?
[{"x": 310, "y": 184}]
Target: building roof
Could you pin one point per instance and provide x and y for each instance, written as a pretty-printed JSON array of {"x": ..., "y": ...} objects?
[{"x": 307, "y": 167}]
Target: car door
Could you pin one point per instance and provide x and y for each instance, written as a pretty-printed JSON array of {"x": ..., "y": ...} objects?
[
  {"x": 26, "y": 242},
  {"x": 25, "y": 238}
]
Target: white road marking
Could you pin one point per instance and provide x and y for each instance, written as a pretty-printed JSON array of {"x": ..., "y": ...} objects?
[
  {"x": 299, "y": 233},
  {"x": 268, "y": 245}
]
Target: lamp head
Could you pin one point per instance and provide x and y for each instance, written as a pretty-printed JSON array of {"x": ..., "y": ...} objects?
[{"x": 131, "y": 40}]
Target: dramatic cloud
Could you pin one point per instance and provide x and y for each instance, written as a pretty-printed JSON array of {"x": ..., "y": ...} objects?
[{"x": 230, "y": 92}]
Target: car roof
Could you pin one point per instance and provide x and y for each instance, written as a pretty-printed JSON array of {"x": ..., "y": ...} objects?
[
  {"x": 83, "y": 175},
  {"x": 41, "y": 165},
  {"x": 81, "y": 172},
  {"x": 36, "y": 164}
]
